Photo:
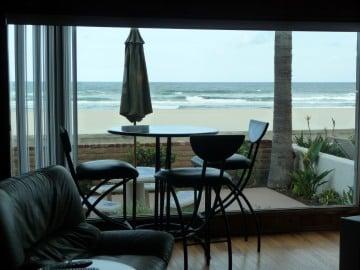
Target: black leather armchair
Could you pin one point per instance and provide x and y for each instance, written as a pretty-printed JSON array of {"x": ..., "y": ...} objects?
[{"x": 42, "y": 221}]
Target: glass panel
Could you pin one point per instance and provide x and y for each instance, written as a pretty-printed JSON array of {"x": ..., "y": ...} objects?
[
  {"x": 37, "y": 92},
  {"x": 324, "y": 115},
  {"x": 14, "y": 146},
  {"x": 222, "y": 79},
  {"x": 20, "y": 89}
]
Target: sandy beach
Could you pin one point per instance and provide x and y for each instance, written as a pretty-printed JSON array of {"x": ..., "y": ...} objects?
[
  {"x": 98, "y": 121},
  {"x": 94, "y": 121}
]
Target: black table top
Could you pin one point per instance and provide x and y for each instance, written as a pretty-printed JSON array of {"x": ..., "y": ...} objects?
[{"x": 161, "y": 130}]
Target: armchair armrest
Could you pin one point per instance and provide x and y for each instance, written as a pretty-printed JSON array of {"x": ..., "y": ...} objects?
[{"x": 136, "y": 242}]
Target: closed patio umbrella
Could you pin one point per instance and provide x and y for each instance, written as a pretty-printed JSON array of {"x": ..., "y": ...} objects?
[{"x": 135, "y": 98}]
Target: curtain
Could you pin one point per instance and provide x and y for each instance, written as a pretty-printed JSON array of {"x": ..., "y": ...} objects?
[{"x": 45, "y": 94}]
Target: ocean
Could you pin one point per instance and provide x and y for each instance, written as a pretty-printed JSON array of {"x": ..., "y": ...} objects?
[{"x": 186, "y": 95}]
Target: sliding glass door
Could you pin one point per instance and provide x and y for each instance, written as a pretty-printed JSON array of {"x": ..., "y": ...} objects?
[
  {"x": 197, "y": 80},
  {"x": 222, "y": 88}
]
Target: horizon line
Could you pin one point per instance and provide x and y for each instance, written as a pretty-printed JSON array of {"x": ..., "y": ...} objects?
[
  {"x": 231, "y": 81},
  {"x": 216, "y": 81}
]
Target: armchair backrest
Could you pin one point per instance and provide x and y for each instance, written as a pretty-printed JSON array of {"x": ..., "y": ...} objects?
[{"x": 33, "y": 207}]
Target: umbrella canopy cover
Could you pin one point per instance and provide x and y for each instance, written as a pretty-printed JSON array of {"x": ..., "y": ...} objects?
[{"x": 135, "y": 97}]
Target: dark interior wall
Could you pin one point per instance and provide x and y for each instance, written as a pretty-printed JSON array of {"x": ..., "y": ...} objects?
[{"x": 255, "y": 14}]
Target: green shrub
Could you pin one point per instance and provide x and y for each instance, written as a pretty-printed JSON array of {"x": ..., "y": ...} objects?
[
  {"x": 305, "y": 182},
  {"x": 352, "y": 138},
  {"x": 328, "y": 146},
  {"x": 145, "y": 155},
  {"x": 301, "y": 141},
  {"x": 244, "y": 149},
  {"x": 329, "y": 196},
  {"x": 348, "y": 196}
]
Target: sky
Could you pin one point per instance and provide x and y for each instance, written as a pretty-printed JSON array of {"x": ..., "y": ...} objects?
[{"x": 175, "y": 55}]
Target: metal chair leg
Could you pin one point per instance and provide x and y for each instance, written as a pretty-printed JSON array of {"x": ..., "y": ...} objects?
[
  {"x": 178, "y": 208},
  {"x": 207, "y": 222},
  {"x": 162, "y": 198},
  {"x": 156, "y": 206},
  {"x": 124, "y": 202},
  {"x": 134, "y": 203},
  {"x": 102, "y": 196},
  {"x": 229, "y": 199},
  {"x": 235, "y": 191},
  {"x": 197, "y": 201},
  {"x": 167, "y": 207},
  {"x": 227, "y": 227},
  {"x": 93, "y": 190},
  {"x": 92, "y": 207},
  {"x": 243, "y": 213},
  {"x": 257, "y": 221}
]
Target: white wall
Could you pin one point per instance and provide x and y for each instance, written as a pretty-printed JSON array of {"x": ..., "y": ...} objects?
[{"x": 343, "y": 172}]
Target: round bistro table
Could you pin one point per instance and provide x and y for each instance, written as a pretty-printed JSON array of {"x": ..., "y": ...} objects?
[{"x": 157, "y": 132}]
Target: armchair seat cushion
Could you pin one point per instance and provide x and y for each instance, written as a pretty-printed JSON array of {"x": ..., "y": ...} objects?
[
  {"x": 77, "y": 242},
  {"x": 138, "y": 248},
  {"x": 235, "y": 162},
  {"x": 106, "y": 169}
]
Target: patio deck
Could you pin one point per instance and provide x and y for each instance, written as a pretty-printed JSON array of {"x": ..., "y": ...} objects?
[
  {"x": 263, "y": 198},
  {"x": 259, "y": 197},
  {"x": 266, "y": 198}
]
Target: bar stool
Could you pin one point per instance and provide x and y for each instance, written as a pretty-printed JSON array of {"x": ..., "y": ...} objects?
[
  {"x": 211, "y": 148},
  {"x": 257, "y": 130},
  {"x": 103, "y": 170}
]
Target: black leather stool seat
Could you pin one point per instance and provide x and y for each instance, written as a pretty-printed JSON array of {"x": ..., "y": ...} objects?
[
  {"x": 191, "y": 177},
  {"x": 235, "y": 162},
  {"x": 105, "y": 169}
]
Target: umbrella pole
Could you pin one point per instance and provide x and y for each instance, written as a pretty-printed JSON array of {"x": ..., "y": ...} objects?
[{"x": 135, "y": 158}]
